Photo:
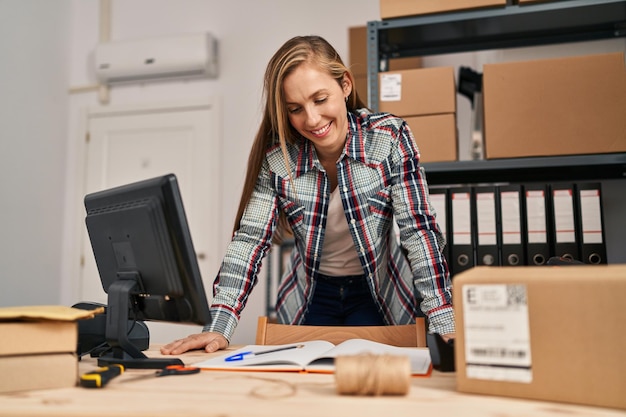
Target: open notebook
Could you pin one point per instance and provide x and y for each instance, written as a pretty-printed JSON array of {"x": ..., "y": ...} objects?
[{"x": 311, "y": 356}]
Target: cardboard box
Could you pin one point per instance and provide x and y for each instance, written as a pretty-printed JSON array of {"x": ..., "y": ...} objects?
[
  {"x": 358, "y": 60},
  {"x": 33, "y": 372},
  {"x": 400, "y": 8},
  {"x": 436, "y": 137},
  {"x": 360, "y": 82},
  {"x": 564, "y": 106},
  {"x": 358, "y": 54},
  {"x": 418, "y": 92},
  {"x": 552, "y": 333},
  {"x": 28, "y": 337}
]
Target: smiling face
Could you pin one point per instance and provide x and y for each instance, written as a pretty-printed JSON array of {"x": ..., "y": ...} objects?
[{"x": 316, "y": 107}]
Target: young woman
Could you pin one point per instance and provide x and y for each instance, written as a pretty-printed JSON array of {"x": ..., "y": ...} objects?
[{"x": 337, "y": 177}]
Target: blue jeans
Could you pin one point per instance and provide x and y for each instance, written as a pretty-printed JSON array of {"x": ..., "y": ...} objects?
[{"x": 343, "y": 301}]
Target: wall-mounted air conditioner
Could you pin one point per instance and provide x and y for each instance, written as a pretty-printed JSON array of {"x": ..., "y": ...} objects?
[{"x": 186, "y": 55}]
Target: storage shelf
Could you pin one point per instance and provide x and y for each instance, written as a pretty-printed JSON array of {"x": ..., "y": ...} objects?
[
  {"x": 493, "y": 28},
  {"x": 517, "y": 170}
]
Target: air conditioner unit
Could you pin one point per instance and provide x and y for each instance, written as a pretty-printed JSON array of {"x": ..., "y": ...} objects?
[{"x": 186, "y": 55}]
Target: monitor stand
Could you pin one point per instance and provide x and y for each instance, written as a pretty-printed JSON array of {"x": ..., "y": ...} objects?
[{"x": 122, "y": 351}]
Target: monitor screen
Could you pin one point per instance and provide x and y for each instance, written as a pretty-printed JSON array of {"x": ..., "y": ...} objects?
[{"x": 147, "y": 263}]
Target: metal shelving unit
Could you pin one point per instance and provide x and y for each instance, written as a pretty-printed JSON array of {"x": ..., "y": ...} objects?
[
  {"x": 498, "y": 28},
  {"x": 557, "y": 168}
]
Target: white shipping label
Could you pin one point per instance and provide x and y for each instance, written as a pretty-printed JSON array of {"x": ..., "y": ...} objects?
[
  {"x": 497, "y": 332},
  {"x": 391, "y": 87}
]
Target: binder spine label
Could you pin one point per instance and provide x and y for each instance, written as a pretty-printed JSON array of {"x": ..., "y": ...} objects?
[
  {"x": 536, "y": 216},
  {"x": 591, "y": 216},
  {"x": 564, "y": 216},
  {"x": 439, "y": 203},
  {"x": 486, "y": 216},
  {"x": 510, "y": 211},
  {"x": 461, "y": 218}
]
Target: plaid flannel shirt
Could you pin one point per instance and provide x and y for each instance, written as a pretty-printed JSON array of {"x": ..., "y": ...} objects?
[{"x": 379, "y": 180}]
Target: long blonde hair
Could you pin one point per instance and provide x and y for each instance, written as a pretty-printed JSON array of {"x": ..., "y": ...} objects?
[{"x": 275, "y": 126}]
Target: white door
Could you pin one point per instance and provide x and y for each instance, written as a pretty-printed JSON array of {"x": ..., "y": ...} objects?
[{"x": 130, "y": 144}]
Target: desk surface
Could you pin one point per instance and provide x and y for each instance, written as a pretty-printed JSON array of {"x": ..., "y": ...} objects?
[{"x": 138, "y": 393}]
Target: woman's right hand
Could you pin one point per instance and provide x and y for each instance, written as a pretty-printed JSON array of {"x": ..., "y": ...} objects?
[{"x": 209, "y": 341}]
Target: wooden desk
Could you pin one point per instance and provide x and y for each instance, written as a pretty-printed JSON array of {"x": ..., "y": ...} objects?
[{"x": 244, "y": 394}]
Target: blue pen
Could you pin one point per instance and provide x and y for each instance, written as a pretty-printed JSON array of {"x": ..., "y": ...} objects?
[{"x": 240, "y": 356}]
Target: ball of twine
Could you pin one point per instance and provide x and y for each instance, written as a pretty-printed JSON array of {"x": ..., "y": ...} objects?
[{"x": 369, "y": 374}]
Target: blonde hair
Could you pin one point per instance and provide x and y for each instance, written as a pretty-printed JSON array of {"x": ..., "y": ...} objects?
[{"x": 275, "y": 127}]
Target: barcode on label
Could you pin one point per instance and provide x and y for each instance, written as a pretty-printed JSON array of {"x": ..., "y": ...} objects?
[
  {"x": 499, "y": 352},
  {"x": 516, "y": 295}
]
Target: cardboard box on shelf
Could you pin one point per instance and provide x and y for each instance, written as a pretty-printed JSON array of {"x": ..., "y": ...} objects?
[
  {"x": 542, "y": 332},
  {"x": 358, "y": 54},
  {"x": 362, "y": 88},
  {"x": 436, "y": 137},
  {"x": 358, "y": 60},
  {"x": 561, "y": 106},
  {"x": 418, "y": 92},
  {"x": 400, "y": 8}
]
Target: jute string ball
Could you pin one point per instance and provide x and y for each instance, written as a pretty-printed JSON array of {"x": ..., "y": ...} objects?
[{"x": 369, "y": 374}]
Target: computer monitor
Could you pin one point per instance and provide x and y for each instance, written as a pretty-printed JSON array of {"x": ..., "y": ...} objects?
[{"x": 147, "y": 264}]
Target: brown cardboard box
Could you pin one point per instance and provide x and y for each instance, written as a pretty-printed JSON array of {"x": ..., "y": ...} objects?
[
  {"x": 436, "y": 137},
  {"x": 552, "y": 333},
  {"x": 33, "y": 372},
  {"x": 362, "y": 88},
  {"x": 358, "y": 54},
  {"x": 564, "y": 106},
  {"x": 357, "y": 42},
  {"x": 27, "y": 337},
  {"x": 418, "y": 92},
  {"x": 38, "y": 346},
  {"x": 358, "y": 60},
  {"x": 399, "y": 8}
]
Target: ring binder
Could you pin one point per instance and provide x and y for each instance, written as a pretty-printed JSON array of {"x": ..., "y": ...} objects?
[
  {"x": 591, "y": 223},
  {"x": 486, "y": 236},
  {"x": 439, "y": 200},
  {"x": 461, "y": 230},
  {"x": 512, "y": 239},
  {"x": 562, "y": 223},
  {"x": 536, "y": 224}
]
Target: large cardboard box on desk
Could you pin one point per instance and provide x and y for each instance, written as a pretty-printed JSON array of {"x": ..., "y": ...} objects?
[
  {"x": 38, "y": 355},
  {"x": 561, "y": 106},
  {"x": 551, "y": 333},
  {"x": 38, "y": 347},
  {"x": 401, "y": 8}
]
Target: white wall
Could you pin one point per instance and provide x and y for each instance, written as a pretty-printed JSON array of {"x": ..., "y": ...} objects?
[{"x": 34, "y": 69}]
